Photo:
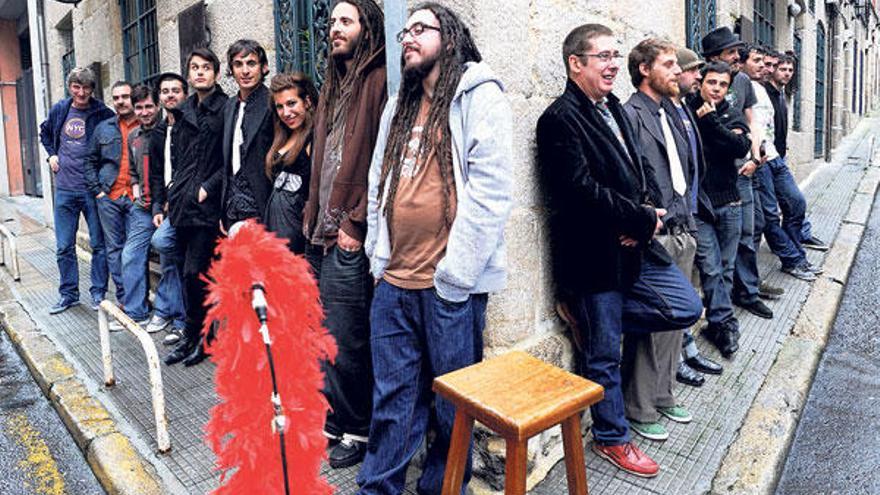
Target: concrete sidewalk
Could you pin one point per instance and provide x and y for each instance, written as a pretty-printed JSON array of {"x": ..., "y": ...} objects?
[{"x": 691, "y": 460}]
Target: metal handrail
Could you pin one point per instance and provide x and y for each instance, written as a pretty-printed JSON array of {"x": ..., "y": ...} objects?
[
  {"x": 6, "y": 237},
  {"x": 106, "y": 307}
]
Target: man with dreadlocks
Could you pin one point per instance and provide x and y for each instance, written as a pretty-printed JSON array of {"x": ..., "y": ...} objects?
[
  {"x": 440, "y": 195},
  {"x": 334, "y": 219}
]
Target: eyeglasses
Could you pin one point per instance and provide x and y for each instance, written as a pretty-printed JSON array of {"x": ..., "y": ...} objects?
[
  {"x": 604, "y": 57},
  {"x": 415, "y": 31}
]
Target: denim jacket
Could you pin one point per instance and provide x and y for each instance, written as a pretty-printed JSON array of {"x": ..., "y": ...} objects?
[{"x": 102, "y": 161}]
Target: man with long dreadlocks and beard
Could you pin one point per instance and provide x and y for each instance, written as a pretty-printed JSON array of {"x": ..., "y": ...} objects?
[
  {"x": 440, "y": 195},
  {"x": 334, "y": 218}
]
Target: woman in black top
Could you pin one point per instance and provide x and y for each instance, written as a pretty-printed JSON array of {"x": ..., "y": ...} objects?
[{"x": 288, "y": 164}]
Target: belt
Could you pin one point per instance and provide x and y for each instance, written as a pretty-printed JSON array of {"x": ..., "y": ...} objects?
[{"x": 287, "y": 181}]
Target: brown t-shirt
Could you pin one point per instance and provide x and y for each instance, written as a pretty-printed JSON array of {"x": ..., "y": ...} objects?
[{"x": 418, "y": 230}]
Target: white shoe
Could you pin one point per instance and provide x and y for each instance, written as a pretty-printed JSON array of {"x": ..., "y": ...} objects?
[{"x": 157, "y": 324}]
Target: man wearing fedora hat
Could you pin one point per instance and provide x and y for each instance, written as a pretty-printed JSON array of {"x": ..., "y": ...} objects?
[{"x": 721, "y": 44}]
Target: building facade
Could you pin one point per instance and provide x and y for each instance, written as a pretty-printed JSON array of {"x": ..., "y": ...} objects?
[{"x": 837, "y": 82}]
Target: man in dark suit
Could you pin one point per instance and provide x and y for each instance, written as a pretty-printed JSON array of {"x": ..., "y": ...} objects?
[
  {"x": 607, "y": 269},
  {"x": 247, "y": 135},
  {"x": 650, "y": 360}
]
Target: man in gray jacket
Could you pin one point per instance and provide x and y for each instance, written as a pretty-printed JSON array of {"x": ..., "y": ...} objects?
[{"x": 439, "y": 197}]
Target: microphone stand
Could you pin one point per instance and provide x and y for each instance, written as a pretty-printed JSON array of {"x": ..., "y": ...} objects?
[{"x": 279, "y": 421}]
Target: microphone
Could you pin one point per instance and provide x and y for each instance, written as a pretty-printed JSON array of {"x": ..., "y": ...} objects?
[{"x": 258, "y": 302}]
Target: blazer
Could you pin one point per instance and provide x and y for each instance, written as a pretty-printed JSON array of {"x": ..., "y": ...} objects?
[
  {"x": 596, "y": 190},
  {"x": 258, "y": 130}
]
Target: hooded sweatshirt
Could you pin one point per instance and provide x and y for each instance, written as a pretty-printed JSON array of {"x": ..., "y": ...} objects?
[{"x": 481, "y": 122}]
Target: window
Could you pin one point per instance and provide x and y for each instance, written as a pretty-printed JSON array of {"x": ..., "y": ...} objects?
[
  {"x": 765, "y": 22},
  {"x": 795, "y": 83},
  {"x": 139, "y": 40},
  {"x": 819, "y": 131},
  {"x": 700, "y": 20},
  {"x": 301, "y": 36},
  {"x": 68, "y": 57}
]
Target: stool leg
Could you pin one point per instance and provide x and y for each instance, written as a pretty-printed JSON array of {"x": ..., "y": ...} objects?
[
  {"x": 458, "y": 451},
  {"x": 574, "y": 455},
  {"x": 515, "y": 467}
]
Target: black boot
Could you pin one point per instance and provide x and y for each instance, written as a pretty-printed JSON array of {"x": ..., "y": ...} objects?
[
  {"x": 688, "y": 375},
  {"x": 180, "y": 352},
  {"x": 197, "y": 356},
  {"x": 725, "y": 339}
]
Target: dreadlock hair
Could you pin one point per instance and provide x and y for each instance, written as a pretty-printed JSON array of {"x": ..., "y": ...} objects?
[
  {"x": 456, "y": 49},
  {"x": 305, "y": 90},
  {"x": 336, "y": 91}
]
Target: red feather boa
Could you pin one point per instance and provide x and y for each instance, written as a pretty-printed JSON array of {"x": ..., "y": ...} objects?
[{"x": 239, "y": 430}]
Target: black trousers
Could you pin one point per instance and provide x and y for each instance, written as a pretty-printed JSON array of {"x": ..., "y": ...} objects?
[
  {"x": 197, "y": 246},
  {"x": 346, "y": 289}
]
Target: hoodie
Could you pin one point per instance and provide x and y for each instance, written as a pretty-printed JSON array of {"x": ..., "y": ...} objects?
[{"x": 480, "y": 121}]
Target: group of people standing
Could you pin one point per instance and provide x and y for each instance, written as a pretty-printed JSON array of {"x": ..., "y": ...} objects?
[
  {"x": 399, "y": 204},
  {"x": 688, "y": 173}
]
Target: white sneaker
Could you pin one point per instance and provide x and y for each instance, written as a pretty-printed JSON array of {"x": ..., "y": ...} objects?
[
  {"x": 173, "y": 336},
  {"x": 115, "y": 326},
  {"x": 157, "y": 324}
]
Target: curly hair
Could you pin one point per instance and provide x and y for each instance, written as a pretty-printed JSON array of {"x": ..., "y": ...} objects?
[{"x": 305, "y": 90}]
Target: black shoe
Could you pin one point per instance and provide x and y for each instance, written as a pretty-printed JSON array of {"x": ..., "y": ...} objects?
[
  {"x": 183, "y": 349},
  {"x": 756, "y": 308},
  {"x": 689, "y": 376},
  {"x": 347, "y": 453},
  {"x": 703, "y": 365},
  {"x": 63, "y": 305},
  {"x": 815, "y": 243},
  {"x": 769, "y": 292},
  {"x": 725, "y": 339},
  {"x": 197, "y": 356}
]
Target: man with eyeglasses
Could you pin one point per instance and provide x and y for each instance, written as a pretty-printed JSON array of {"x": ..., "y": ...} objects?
[
  {"x": 607, "y": 268},
  {"x": 335, "y": 216},
  {"x": 440, "y": 195}
]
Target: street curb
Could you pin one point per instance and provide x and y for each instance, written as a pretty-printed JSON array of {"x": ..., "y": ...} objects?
[
  {"x": 755, "y": 460},
  {"x": 116, "y": 464}
]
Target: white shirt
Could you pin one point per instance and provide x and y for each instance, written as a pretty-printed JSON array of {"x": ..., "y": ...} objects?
[
  {"x": 167, "y": 168},
  {"x": 237, "y": 140},
  {"x": 763, "y": 116}
]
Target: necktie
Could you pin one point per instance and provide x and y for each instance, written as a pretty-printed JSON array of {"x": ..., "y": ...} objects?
[
  {"x": 679, "y": 184},
  {"x": 602, "y": 107}
]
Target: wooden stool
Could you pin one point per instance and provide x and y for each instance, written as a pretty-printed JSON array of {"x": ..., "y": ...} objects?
[{"x": 517, "y": 396}]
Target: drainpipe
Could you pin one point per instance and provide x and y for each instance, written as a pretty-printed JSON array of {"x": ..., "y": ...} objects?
[
  {"x": 395, "y": 18},
  {"x": 42, "y": 103},
  {"x": 829, "y": 97}
]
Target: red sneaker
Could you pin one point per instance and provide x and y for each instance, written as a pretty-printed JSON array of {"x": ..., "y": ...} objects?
[{"x": 629, "y": 458}]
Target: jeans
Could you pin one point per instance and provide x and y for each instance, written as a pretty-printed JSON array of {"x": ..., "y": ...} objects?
[
  {"x": 716, "y": 256},
  {"x": 346, "y": 289},
  {"x": 780, "y": 187},
  {"x": 169, "y": 303},
  {"x": 135, "y": 262},
  {"x": 68, "y": 206},
  {"x": 114, "y": 221},
  {"x": 417, "y": 336},
  {"x": 745, "y": 274},
  {"x": 662, "y": 299}
]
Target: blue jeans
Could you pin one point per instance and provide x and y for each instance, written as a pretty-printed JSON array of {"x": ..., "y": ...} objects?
[
  {"x": 779, "y": 191},
  {"x": 416, "y": 337},
  {"x": 135, "y": 262},
  {"x": 716, "y": 255},
  {"x": 662, "y": 299},
  {"x": 114, "y": 221},
  {"x": 745, "y": 274},
  {"x": 169, "y": 303},
  {"x": 68, "y": 206}
]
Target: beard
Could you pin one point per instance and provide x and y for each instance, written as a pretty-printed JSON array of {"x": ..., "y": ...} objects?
[
  {"x": 669, "y": 89},
  {"x": 413, "y": 74},
  {"x": 346, "y": 51}
]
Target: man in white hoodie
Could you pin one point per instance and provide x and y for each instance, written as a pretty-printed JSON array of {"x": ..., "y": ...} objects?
[{"x": 439, "y": 197}]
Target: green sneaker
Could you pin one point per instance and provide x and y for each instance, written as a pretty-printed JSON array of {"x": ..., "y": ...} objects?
[
  {"x": 651, "y": 431},
  {"x": 676, "y": 413}
]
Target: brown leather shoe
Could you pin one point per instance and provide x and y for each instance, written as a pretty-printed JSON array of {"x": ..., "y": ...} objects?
[{"x": 629, "y": 458}]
